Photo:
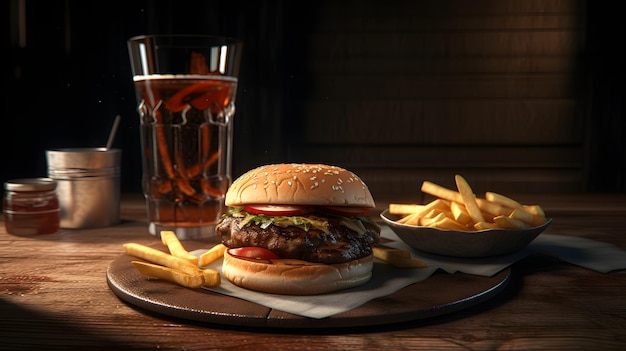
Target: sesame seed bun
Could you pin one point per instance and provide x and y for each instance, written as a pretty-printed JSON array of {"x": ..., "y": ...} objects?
[{"x": 299, "y": 184}]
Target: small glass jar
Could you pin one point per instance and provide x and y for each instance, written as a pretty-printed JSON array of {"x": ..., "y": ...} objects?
[{"x": 31, "y": 206}]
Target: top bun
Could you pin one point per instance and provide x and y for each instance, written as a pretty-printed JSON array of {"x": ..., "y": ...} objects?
[{"x": 299, "y": 184}]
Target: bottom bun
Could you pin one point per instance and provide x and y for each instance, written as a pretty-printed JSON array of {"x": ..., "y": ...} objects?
[{"x": 296, "y": 277}]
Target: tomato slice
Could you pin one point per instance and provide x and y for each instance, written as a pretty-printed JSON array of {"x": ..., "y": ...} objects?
[
  {"x": 348, "y": 211},
  {"x": 277, "y": 210},
  {"x": 258, "y": 253}
]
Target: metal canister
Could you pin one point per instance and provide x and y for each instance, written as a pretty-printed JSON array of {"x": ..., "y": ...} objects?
[{"x": 88, "y": 185}]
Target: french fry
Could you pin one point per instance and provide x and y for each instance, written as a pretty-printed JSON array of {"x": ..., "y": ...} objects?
[
  {"x": 412, "y": 219},
  {"x": 437, "y": 212},
  {"x": 404, "y": 209},
  {"x": 172, "y": 275},
  {"x": 522, "y": 216},
  {"x": 448, "y": 223},
  {"x": 381, "y": 251},
  {"x": 536, "y": 210},
  {"x": 493, "y": 208},
  {"x": 159, "y": 257},
  {"x": 459, "y": 213},
  {"x": 170, "y": 240},
  {"x": 468, "y": 199},
  {"x": 428, "y": 220},
  {"x": 509, "y": 223},
  {"x": 437, "y": 204},
  {"x": 210, "y": 277},
  {"x": 502, "y": 200},
  {"x": 527, "y": 217},
  {"x": 441, "y": 192},
  {"x": 430, "y": 214},
  {"x": 397, "y": 259},
  {"x": 484, "y": 225},
  {"x": 210, "y": 256}
]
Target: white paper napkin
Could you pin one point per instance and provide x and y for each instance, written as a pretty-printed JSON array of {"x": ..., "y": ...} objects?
[
  {"x": 386, "y": 280},
  {"x": 595, "y": 255}
]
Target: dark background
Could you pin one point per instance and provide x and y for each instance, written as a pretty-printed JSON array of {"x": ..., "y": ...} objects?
[
  {"x": 72, "y": 78},
  {"x": 66, "y": 75}
]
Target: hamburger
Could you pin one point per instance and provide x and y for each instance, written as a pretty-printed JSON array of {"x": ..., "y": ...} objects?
[{"x": 298, "y": 229}]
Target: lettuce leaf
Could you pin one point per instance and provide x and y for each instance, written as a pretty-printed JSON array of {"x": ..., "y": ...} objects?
[{"x": 303, "y": 222}]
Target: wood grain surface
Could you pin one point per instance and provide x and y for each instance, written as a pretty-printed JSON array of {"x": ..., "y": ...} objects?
[
  {"x": 54, "y": 295},
  {"x": 417, "y": 90}
]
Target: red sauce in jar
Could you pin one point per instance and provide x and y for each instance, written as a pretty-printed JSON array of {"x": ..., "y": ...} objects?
[{"x": 31, "y": 206}]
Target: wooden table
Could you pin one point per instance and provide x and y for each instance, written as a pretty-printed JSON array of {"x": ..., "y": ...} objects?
[{"x": 54, "y": 295}]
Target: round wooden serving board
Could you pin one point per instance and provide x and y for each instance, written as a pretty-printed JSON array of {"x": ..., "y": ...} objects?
[{"x": 440, "y": 294}]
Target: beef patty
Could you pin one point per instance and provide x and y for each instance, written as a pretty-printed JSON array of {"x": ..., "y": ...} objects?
[{"x": 339, "y": 244}]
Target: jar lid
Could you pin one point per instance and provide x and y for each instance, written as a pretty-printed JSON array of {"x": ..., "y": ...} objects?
[{"x": 30, "y": 184}]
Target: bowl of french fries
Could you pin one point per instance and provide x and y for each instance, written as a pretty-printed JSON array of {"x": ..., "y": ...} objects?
[{"x": 460, "y": 224}]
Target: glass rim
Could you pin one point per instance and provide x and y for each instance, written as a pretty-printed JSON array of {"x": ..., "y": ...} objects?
[
  {"x": 84, "y": 150},
  {"x": 229, "y": 39}
]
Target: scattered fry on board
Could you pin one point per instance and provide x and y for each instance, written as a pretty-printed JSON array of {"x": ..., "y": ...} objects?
[
  {"x": 177, "y": 266},
  {"x": 170, "y": 240},
  {"x": 211, "y": 255},
  {"x": 166, "y": 273},
  {"x": 159, "y": 257},
  {"x": 398, "y": 258}
]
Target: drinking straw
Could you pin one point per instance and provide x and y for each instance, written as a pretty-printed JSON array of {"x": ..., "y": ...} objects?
[{"x": 116, "y": 124}]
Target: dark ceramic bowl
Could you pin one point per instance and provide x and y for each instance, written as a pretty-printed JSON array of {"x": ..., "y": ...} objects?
[{"x": 482, "y": 243}]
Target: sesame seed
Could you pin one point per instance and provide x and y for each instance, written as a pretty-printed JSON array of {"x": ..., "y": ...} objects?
[{"x": 337, "y": 188}]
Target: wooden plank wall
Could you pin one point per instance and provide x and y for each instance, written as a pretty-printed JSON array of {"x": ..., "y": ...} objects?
[{"x": 406, "y": 91}]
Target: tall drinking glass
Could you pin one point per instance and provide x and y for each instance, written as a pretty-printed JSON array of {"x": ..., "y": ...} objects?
[{"x": 185, "y": 87}]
